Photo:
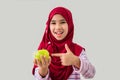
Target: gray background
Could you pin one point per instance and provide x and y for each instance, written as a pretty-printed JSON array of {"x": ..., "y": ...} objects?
[{"x": 22, "y": 23}]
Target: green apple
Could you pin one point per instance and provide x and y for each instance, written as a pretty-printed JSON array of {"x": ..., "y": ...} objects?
[{"x": 42, "y": 52}]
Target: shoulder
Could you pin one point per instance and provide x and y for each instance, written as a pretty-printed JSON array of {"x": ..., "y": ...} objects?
[{"x": 78, "y": 49}]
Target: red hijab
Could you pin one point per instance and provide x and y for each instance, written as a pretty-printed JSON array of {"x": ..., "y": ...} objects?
[{"x": 58, "y": 71}]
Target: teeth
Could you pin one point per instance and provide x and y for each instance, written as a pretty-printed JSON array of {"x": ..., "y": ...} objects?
[{"x": 58, "y": 32}]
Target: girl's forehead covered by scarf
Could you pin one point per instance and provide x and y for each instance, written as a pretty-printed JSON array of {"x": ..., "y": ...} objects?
[{"x": 68, "y": 17}]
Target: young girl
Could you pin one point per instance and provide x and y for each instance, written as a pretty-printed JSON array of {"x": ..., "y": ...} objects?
[{"x": 68, "y": 60}]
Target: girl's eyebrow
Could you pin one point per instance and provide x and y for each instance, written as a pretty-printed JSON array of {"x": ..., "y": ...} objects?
[
  {"x": 62, "y": 20},
  {"x": 53, "y": 20}
]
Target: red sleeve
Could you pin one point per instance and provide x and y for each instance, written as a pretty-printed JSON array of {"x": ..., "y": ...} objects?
[{"x": 33, "y": 70}]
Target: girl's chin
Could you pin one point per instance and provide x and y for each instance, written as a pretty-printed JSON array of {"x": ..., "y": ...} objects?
[{"x": 59, "y": 38}]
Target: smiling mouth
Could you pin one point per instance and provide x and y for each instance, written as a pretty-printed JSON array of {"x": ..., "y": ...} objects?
[{"x": 58, "y": 33}]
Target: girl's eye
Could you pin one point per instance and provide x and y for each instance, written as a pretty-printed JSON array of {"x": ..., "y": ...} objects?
[
  {"x": 63, "y": 22},
  {"x": 53, "y": 23}
]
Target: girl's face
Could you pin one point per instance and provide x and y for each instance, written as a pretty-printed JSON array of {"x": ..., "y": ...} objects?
[{"x": 59, "y": 27}]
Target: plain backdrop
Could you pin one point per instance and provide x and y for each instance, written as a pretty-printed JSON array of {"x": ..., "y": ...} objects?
[{"x": 22, "y": 23}]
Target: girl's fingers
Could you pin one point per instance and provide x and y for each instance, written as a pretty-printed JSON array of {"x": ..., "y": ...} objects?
[
  {"x": 49, "y": 60},
  {"x": 57, "y": 54},
  {"x": 39, "y": 63},
  {"x": 46, "y": 60},
  {"x": 35, "y": 61},
  {"x": 43, "y": 60}
]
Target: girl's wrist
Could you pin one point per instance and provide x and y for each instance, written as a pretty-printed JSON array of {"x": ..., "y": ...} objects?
[
  {"x": 76, "y": 62},
  {"x": 43, "y": 74}
]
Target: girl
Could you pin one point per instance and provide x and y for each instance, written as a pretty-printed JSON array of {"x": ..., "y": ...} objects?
[{"x": 68, "y": 60}]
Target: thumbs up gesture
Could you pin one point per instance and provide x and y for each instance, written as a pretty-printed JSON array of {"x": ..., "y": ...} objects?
[{"x": 68, "y": 58}]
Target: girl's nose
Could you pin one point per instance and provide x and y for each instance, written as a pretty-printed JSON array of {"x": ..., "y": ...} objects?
[{"x": 58, "y": 26}]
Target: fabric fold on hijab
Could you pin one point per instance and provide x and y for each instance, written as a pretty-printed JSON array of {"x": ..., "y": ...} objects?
[{"x": 57, "y": 70}]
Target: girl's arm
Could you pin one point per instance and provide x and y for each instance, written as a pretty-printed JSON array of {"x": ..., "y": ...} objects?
[
  {"x": 85, "y": 68},
  {"x": 38, "y": 76},
  {"x": 42, "y": 69}
]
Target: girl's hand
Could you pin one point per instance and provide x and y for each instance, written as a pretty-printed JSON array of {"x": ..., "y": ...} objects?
[
  {"x": 68, "y": 58},
  {"x": 43, "y": 65}
]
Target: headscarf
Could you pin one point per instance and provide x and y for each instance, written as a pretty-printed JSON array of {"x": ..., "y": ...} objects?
[{"x": 49, "y": 42}]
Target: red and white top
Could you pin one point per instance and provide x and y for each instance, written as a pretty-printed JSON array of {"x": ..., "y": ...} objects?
[{"x": 87, "y": 70}]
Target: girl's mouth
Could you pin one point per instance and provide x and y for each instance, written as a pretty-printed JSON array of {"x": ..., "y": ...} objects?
[{"x": 59, "y": 33}]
